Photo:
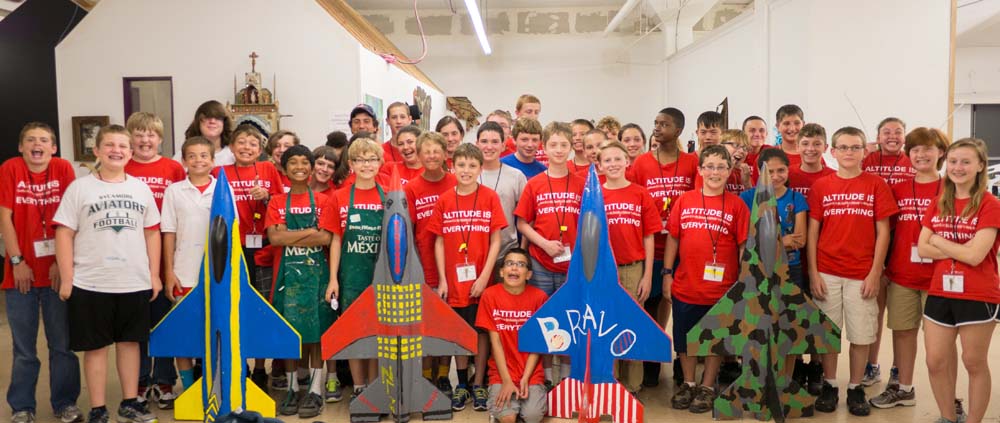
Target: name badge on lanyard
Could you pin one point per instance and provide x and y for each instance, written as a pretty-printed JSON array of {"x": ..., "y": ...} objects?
[
  {"x": 254, "y": 241},
  {"x": 466, "y": 272},
  {"x": 45, "y": 247},
  {"x": 953, "y": 282},
  {"x": 714, "y": 272},
  {"x": 564, "y": 256}
]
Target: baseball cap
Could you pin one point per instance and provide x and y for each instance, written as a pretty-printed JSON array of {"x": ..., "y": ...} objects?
[{"x": 362, "y": 108}]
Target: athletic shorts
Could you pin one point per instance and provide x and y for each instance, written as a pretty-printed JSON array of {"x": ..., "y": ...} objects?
[
  {"x": 468, "y": 313},
  {"x": 686, "y": 316},
  {"x": 905, "y": 305},
  {"x": 99, "y": 319},
  {"x": 950, "y": 312}
]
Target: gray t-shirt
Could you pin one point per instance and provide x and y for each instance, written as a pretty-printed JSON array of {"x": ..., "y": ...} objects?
[{"x": 508, "y": 183}]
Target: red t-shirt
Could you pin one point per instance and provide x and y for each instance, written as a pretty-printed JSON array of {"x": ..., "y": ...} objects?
[
  {"x": 580, "y": 170},
  {"x": 285, "y": 182},
  {"x": 541, "y": 156},
  {"x": 390, "y": 153},
  {"x": 33, "y": 199},
  {"x": 300, "y": 205},
  {"x": 157, "y": 175},
  {"x": 696, "y": 221},
  {"x": 913, "y": 199},
  {"x": 893, "y": 169},
  {"x": 794, "y": 160},
  {"x": 505, "y": 313},
  {"x": 751, "y": 160},
  {"x": 632, "y": 215},
  {"x": 848, "y": 210},
  {"x": 802, "y": 182},
  {"x": 405, "y": 174},
  {"x": 422, "y": 195},
  {"x": 364, "y": 199},
  {"x": 241, "y": 180},
  {"x": 981, "y": 283},
  {"x": 469, "y": 220},
  {"x": 548, "y": 203},
  {"x": 664, "y": 183},
  {"x": 510, "y": 147}
]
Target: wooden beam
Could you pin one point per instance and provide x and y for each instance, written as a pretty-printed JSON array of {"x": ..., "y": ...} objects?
[
  {"x": 370, "y": 37},
  {"x": 87, "y": 5},
  {"x": 951, "y": 70}
]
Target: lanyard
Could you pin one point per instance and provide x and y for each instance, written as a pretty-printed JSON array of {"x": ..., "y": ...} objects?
[
  {"x": 466, "y": 235},
  {"x": 312, "y": 208},
  {"x": 892, "y": 169},
  {"x": 560, "y": 218},
  {"x": 42, "y": 203},
  {"x": 255, "y": 204},
  {"x": 913, "y": 188},
  {"x": 666, "y": 192},
  {"x": 497, "y": 183},
  {"x": 711, "y": 235}
]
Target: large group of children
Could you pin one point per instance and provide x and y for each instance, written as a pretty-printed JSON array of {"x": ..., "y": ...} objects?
[{"x": 102, "y": 258}]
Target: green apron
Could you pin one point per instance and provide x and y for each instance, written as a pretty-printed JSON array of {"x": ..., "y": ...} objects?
[
  {"x": 302, "y": 278},
  {"x": 359, "y": 250}
]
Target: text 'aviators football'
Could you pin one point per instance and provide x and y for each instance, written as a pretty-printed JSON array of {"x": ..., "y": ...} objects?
[
  {"x": 224, "y": 321},
  {"x": 594, "y": 321},
  {"x": 399, "y": 320},
  {"x": 763, "y": 318}
]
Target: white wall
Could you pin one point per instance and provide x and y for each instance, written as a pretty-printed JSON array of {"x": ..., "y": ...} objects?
[
  {"x": 576, "y": 75},
  {"x": 391, "y": 84},
  {"x": 812, "y": 52},
  {"x": 977, "y": 81},
  {"x": 202, "y": 45}
]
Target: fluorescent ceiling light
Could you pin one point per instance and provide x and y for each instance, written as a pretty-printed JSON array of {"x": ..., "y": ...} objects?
[{"x": 477, "y": 23}]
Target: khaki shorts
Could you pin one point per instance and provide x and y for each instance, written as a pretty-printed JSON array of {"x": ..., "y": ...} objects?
[
  {"x": 531, "y": 409},
  {"x": 906, "y": 307},
  {"x": 844, "y": 302}
]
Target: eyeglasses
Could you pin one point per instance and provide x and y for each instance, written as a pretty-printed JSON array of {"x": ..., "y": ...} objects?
[
  {"x": 365, "y": 161},
  {"x": 513, "y": 263},
  {"x": 851, "y": 148},
  {"x": 715, "y": 169}
]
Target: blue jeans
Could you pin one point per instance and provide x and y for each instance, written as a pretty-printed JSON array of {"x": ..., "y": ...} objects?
[
  {"x": 64, "y": 367},
  {"x": 545, "y": 279},
  {"x": 156, "y": 370}
]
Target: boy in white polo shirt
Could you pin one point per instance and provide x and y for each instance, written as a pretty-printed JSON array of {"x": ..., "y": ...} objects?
[{"x": 186, "y": 208}]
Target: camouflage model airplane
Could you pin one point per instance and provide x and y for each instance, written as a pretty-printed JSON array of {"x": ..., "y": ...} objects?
[{"x": 764, "y": 318}]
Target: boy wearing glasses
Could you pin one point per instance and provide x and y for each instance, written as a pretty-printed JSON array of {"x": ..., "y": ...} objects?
[
  {"x": 708, "y": 227},
  {"x": 848, "y": 239},
  {"x": 516, "y": 379}
]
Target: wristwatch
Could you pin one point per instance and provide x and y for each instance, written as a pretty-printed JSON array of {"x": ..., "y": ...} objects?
[
  {"x": 16, "y": 260},
  {"x": 667, "y": 271}
]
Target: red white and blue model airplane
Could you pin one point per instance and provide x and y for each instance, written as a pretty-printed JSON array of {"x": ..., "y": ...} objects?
[
  {"x": 224, "y": 321},
  {"x": 594, "y": 321}
]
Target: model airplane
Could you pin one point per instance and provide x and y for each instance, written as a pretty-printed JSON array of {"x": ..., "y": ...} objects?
[
  {"x": 399, "y": 320},
  {"x": 224, "y": 321},
  {"x": 764, "y": 318},
  {"x": 594, "y": 321}
]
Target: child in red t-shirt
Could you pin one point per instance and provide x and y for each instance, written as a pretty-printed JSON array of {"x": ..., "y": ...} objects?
[
  {"x": 467, "y": 221},
  {"x": 890, "y": 161},
  {"x": 633, "y": 218},
  {"x": 409, "y": 166},
  {"x": 31, "y": 187},
  {"x": 708, "y": 228},
  {"x": 790, "y": 119},
  {"x": 812, "y": 146},
  {"x": 848, "y": 239},
  {"x": 516, "y": 389},
  {"x": 580, "y": 162},
  {"x": 960, "y": 234},
  {"x": 907, "y": 275}
]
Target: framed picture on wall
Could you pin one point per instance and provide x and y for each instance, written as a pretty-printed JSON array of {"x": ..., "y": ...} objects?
[{"x": 85, "y": 130}]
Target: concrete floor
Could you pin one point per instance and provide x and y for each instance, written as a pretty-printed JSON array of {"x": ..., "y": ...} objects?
[{"x": 657, "y": 400}]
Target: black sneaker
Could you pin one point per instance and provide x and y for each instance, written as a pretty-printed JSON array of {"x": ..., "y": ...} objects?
[
  {"x": 259, "y": 378},
  {"x": 828, "y": 399},
  {"x": 650, "y": 374},
  {"x": 310, "y": 406},
  {"x": 290, "y": 405},
  {"x": 857, "y": 404},
  {"x": 959, "y": 411},
  {"x": 444, "y": 385},
  {"x": 357, "y": 393},
  {"x": 799, "y": 373},
  {"x": 549, "y": 386},
  {"x": 135, "y": 412},
  {"x": 479, "y": 398},
  {"x": 814, "y": 377},
  {"x": 98, "y": 415}
]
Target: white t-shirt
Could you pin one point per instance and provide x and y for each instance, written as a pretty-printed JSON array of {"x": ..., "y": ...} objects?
[
  {"x": 109, "y": 250},
  {"x": 508, "y": 182},
  {"x": 186, "y": 214}
]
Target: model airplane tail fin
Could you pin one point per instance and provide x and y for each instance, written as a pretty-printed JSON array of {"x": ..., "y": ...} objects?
[
  {"x": 267, "y": 334},
  {"x": 606, "y": 399},
  {"x": 177, "y": 335},
  {"x": 352, "y": 335}
]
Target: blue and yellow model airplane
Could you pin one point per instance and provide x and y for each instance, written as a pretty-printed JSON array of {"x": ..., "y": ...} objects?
[{"x": 224, "y": 321}]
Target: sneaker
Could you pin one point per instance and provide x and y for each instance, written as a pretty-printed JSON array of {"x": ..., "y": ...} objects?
[
  {"x": 856, "y": 402},
  {"x": 549, "y": 386},
  {"x": 279, "y": 383},
  {"x": 479, "y": 397},
  {"x": 944, "y": 420},
  {"x": 873, "y": 375},
  {"x": 682, "y": 398},
  {"x": 703, "y": 400},
  {"x": 290, "y": 405},
  {"x": 729, "y": 372},
  {"x": 894, "y": 397},
  {"x": 444, "y": 385},
  {"x": 26, "y": 416},
  {"x": 800, "y": 373},
  {"x": 357, "y": 393},
  {"x": 144, "y": 393},
  {"x": 259, "y": 378},
  {"x": 98, "y": 415},
  {"x": 459, "y": 398},
  {"x": 959, "y": 411},
  {"x": 814, "y": 377},
  {"x": 135, "y": 412},
  {"x": 70, "y": 414},
  {"x": 893, "y": 376},
  {"x": 333, "y": 391},
  {"x": 164, "y": 396},
  {"x": 310, "y": 405},
  {"x": 828, "y": 398}
]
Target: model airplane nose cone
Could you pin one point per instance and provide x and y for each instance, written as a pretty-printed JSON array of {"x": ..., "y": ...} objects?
[
  {"x": 218, "y": 247},
  {"x": 590, "y": 233}
]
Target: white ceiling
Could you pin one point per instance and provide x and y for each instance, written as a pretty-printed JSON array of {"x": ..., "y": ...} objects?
[
  {"x": 460, "y": 4},
  {"x": 978, "y": 23}
]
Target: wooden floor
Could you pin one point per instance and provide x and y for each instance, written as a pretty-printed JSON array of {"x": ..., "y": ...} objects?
[{"x": 656, "y": 400}]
